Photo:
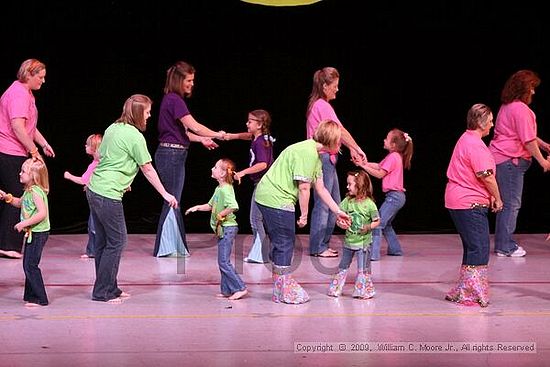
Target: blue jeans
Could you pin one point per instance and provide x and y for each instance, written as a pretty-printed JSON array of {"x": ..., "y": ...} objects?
[
  {"x": 90, "y": 247},
  {"x": 230, "y": 281},
  {"x": 260, "y": 242},
  {"x": 111, "y": 238},
  {"x": 473, "y": 227},
  {"x": 10, "y": 166},
  {"x": 363, "y": 259},
  {"x": 35, "y": 291},
  {"x": 393, "y": 202},
  {"x": 322, "y": 219},
  {"x": 510, "y": 183},
  {"x": 170, "y": 165},
  {"x": 280, "y": 226}
]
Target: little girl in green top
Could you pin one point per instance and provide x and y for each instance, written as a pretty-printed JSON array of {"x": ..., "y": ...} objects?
[
  {"x": 359, "y": 205},
  {"x": 223, "y": 221},
  {"x": 36, "y": 224}
]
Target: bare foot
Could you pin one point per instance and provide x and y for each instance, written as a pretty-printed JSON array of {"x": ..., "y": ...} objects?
[
  {"x": 238, "y": 295},
  {"x": 11, "y": 254},
  {"x": 221, "y": 295},
  {"x": 32, "y": 304},
  {"x": 115, "y": 301},
  {"x": 125, "y": 295},
  {"x": 84, "y": 256}
]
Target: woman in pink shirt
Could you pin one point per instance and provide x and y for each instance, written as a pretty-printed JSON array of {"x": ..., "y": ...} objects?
[
  {"x": 514, "y": 144},
  {"x": 325, "y": 87},
  {"x": 471, "y": 190},
  {"x": 400, "y": 147},
  {"x": 19, "y": 138}
]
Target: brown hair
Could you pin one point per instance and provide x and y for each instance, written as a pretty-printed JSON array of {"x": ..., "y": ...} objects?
[
  {"x": 265, "y": 119},
  {"x": 175, "y": 76},
  {"x": 519, "y": 87},
  {"x": 403, "y": 145},
  {"x": 322, "y": 77},
  {"x": 363, "y": 184}
]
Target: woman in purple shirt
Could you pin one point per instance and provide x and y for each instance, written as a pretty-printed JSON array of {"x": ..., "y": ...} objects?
[{"x": 177, "y": 129}]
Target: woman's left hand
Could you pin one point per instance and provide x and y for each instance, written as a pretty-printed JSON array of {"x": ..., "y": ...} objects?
[
  {"x": 48, "y": 150},
  {"x": 172, "y": 201}
]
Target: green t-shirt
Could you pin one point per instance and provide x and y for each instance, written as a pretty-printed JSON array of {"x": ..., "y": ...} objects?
[
  {"x": 278, "y": 188},
  {"x": 223, "y": 197},
  {"x": 28, "y": 208},
  {"x": 123, "y": 150},
  {"x": 361, "y": 212}
]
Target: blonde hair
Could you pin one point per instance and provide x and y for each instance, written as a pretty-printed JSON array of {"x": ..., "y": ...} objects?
[
  {"x": 28, "y": 69},
  {"x": 94, "y": 141},
  {"x": 328, "y": 134},
  {"x": 38, "y": 173},
  {"x": 229, "y": 166},
  {"x": 133, "y": 112}
]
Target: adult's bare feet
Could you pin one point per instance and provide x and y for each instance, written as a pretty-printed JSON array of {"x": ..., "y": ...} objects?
[{"x": 238, "y": 295}]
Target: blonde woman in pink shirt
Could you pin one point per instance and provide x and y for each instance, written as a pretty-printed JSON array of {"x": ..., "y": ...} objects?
[
  {"x": 514, "y": 145},
  {"x": 470, "y": 192},
  {"x": 19, "y": 140},
  {"x": 400, "y": 150}
]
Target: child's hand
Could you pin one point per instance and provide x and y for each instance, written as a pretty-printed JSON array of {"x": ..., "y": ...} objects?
[
  {"x": 19, "y": 227},
  {"x": 2, "y": 194},
  {"x": 237, "y": 176},
  {"x": 191, "y": 210},
  {"x": 548, "y": 237}
]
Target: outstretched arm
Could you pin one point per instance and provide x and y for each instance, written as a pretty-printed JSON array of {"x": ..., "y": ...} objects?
[{"x": 199, "y": 129}]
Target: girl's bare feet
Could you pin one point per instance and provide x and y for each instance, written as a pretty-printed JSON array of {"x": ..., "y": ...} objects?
[
  {"x": 238, "y": 295},
  {"x": 124, "y": 295},
  {"x": 221, "y": 295},
  {"x": 115, "y": 301}
]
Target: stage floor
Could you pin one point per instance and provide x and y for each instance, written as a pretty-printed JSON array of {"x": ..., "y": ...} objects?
[{"x": 173, "y": 317}]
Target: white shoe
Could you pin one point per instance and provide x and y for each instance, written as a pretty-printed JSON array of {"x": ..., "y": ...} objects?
[{"x": 520, "y": 252}]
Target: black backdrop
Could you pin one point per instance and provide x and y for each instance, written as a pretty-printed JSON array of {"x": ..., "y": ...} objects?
[{"x": 415, "y": 66}]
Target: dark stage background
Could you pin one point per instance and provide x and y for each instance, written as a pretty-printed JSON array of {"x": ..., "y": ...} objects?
[{"x": 415, "y": 66}]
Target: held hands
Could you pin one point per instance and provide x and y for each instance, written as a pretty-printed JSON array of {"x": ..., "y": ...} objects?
[
  {"x": 302, "y": 221},
  {"x": 344, "y": 220}
]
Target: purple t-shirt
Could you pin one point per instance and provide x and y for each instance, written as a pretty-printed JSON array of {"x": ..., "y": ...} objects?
[
  {"x": 259, "y": 152},
  {"x": 170, "y": 128}
]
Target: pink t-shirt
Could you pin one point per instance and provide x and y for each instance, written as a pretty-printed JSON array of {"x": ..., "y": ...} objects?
[
  {"x": 393, "y": 165},
  {"x": 464, "y": 188},
  {"x": 86, "y": 175},
  {"x": 516, "y": 125},
  {"x": 16, "y": 102},
  {"x": 320, "y": 111}
]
